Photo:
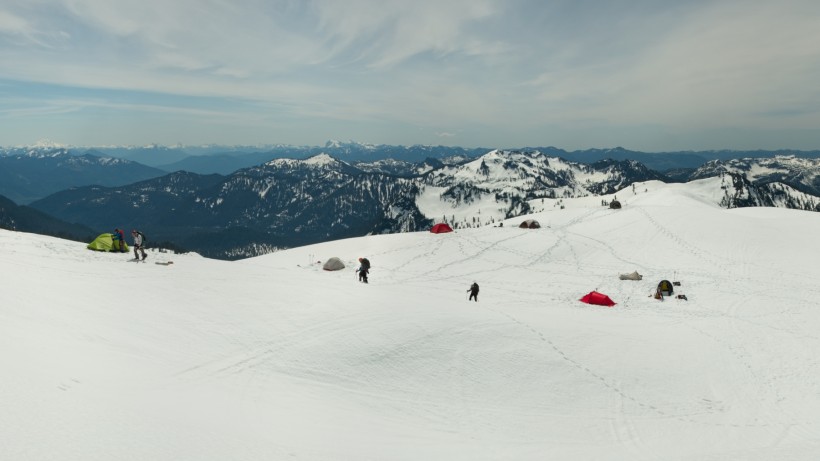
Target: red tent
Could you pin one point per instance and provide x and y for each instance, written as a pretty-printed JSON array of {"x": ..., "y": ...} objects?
[
  {"x": 593, "y": 297},
  {"x": 441, "y": 228}
]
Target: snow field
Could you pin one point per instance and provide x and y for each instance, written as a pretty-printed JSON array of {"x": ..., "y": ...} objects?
[{"x": 273, "y": 358}]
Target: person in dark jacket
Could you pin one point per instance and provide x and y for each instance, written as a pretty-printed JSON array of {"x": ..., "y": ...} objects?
[
  {"x": 364, "y": 269},
  {"x": 473, "y": 292},
  {"x": 118, "y": 240}
]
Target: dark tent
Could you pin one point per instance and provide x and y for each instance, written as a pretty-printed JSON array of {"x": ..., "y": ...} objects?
[
  {"x": 615, "y": 205},
  {"x": 441, "y": 228},
  {"x": 593, "y": 297},
  {"x": 530, "y": 224},
  {"x": 665, "y": 288}
]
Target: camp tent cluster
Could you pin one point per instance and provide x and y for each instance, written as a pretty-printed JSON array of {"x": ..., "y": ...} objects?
[
  {"x": 105, "y": 242},
  {"x": 665, "y": 288}
]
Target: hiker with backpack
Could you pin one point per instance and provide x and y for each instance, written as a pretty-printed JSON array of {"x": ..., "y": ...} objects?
[
  {"x": 364, "y": 269},
  {"x": 139, "y": 243},
  {"x": 473, "y": 292},
  {"x": 118, "y": 240}
]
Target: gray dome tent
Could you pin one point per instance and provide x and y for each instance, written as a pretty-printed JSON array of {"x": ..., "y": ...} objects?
[
  {"x": 530, "y": 224},
  {"x": 334, "y": 264}
]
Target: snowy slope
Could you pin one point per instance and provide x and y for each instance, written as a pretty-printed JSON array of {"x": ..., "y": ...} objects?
[
  {"x": 800, "y": 172},
  {"x": 493, "y": 186},
  {"x": 273, "y": 358}
]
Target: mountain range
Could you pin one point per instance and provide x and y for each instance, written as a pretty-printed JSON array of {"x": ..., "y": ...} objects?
[
  {"x": 399, "y": 160},
  {"x": 289, "y": 202},
  {"x": 286, "y": 202},
  {"x": 27, "y": 174}
]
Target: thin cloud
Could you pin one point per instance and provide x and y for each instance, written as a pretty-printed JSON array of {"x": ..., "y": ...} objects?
[
  {"x": 396, "y": 30},
  {"x": 11, "y": 24},
  {"x": 520, "y": 72}
]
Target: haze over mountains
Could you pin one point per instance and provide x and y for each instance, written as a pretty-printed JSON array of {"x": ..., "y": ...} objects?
[{"x": 220, "y": 159}]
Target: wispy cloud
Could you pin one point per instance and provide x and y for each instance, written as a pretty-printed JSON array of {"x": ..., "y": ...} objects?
[
  {"x": 13, "y": 25},
  {"x": 393, "y": 31},
  {"x": 522, "y": 72}
]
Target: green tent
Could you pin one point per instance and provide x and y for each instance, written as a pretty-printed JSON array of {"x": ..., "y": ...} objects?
[{"x": 104, "y": 242}]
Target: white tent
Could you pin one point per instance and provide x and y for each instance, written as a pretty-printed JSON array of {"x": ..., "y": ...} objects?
[
  {"x": 633, "y": 276},
  {"x": 334, "y": 264}
]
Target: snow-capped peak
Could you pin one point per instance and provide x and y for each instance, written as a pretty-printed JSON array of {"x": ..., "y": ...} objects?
[
  {"x": 47, "y": 144},
  {"x": 322, "y": 159}
]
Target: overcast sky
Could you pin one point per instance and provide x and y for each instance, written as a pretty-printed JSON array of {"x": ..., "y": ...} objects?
[{"x": 645, "y": 75}]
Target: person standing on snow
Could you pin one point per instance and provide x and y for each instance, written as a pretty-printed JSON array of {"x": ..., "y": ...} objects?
[
  {"x": 138, "y": 244},
  {"x": 364, "y": 269},
  {"x": 473, "y": 292},
  {"x": 118, "y": 240}
]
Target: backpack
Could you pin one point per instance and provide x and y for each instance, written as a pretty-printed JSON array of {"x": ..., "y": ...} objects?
[{"x": 144, "y": 238}]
